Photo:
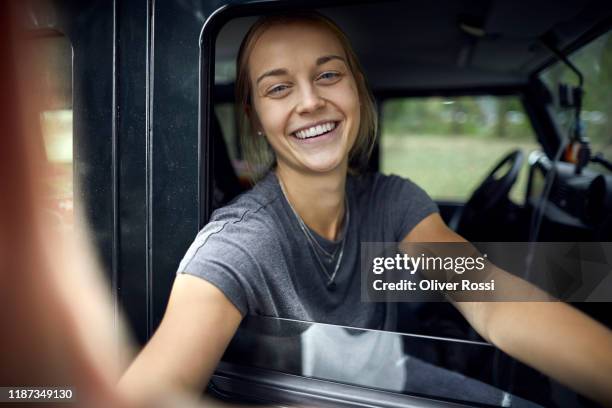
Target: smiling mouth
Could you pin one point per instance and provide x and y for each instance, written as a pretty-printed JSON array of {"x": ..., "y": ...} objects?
[{"x": 315, "y": 131}]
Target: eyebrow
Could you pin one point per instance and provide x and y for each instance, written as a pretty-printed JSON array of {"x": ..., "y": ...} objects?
[
  {"x": 282, "y": 71},
  {"x": 327, "y": 58},
  {"x": 274, "y": 72}
]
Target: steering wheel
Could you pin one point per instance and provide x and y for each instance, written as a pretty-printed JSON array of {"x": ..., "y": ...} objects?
[{"x": 492, "y": 191}]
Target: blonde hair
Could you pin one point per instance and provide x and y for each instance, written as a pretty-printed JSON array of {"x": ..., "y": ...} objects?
[{"x": 258, "y": 153}]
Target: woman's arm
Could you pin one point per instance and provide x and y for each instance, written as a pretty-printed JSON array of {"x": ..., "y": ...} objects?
[
  {"x": 552, "y": 337},
  {"x": 182, "y": 354}
]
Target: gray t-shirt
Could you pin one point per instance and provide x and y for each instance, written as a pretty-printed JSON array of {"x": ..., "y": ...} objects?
[{"x": 254, "y": 251}]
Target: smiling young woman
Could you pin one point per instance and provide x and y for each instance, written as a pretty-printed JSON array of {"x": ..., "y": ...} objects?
[
  {"x": 290, "y": 246},
  {"x": 306, "y": 103},
  {"x": 330, "y": 71}
]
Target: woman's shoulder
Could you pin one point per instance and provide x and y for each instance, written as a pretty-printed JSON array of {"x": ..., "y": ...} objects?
[
  {"x": 395, "y": 204},
  {"x": 374, "y": 182},
  {"x": 243, "y": 228},
  {"x": 254, "y": 210}
]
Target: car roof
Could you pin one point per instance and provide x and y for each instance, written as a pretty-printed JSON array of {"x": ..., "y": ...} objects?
[{"x": 446, "y": 44}]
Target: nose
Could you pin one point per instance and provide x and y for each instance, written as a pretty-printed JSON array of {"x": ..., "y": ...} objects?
[{"x": 310, "y": 99}]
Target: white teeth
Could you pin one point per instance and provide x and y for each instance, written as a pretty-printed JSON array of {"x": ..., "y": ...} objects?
[{"x": 315, "y": 130}]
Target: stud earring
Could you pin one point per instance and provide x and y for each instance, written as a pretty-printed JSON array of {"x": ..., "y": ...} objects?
[{"x": 259, "y": 133}]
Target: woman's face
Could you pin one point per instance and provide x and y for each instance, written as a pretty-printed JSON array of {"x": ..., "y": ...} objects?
[{"x": 305, "y": 96}]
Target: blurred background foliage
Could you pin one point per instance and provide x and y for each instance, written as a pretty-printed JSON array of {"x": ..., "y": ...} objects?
[
  {"x": 484, "y": 117},
  {"x": 595, "y": 63}
]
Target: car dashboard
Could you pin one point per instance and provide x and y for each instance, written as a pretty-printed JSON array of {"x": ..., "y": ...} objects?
[{"x": 572, "y": 207}]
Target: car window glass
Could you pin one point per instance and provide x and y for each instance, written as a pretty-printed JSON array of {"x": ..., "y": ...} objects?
[
  {"x": 54, "y": 56},
  {"x": 448, "y": 145},
  {"x": 401, "y": 363},
  {"x": 595, "y": 62}
]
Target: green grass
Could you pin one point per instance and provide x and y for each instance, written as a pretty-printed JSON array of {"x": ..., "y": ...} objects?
[{"x": 450, "y": 167}]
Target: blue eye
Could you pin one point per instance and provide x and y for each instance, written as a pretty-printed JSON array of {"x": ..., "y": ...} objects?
[
  {"x": 277, "y": 89},
  {"x": 329, "y": 75}
]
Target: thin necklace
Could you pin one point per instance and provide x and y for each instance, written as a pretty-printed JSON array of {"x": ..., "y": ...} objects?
[
  {"x": 312, "y": 241},
  {"x": 330, "y": 255}
]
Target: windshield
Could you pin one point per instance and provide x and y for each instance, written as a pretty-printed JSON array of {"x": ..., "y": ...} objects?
[{"x": 595, "y": 62}]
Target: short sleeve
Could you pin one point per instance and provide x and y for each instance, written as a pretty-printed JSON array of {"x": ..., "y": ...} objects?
[
  {"x": 407, "y": 204},
  {"x": 228, "y": 254}
]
